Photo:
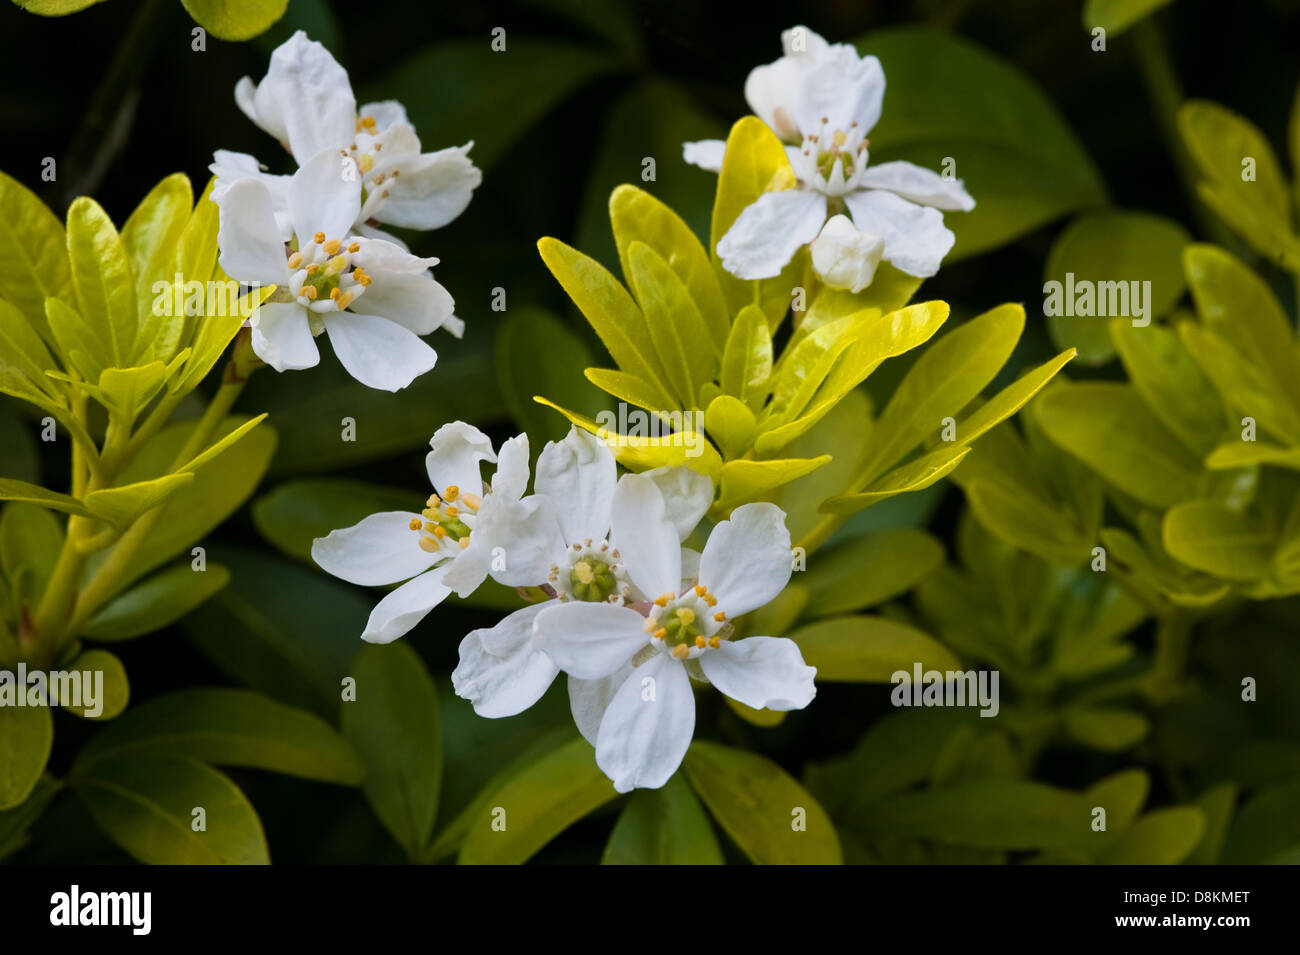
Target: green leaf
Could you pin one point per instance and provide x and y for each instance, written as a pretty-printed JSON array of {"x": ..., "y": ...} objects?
[
  {"x": 637, "y": 216},
  {"x": 538, "y": 354},
  {"x": 1108, "y": 427},
  {"x": 1224, "y": 147},
  {"x": 1211, "y": 537},
  {"x": 941, "y": 383},
  {"x": 985, "y": 813},
  {"x": 536, "y": 805},
  {"x": 281, "y": 628},
  {"x": 116, "y": 691},
  {"x": 150, "y": 236},
  {"x": 55, "y": 8},
  {"x": 1267, "y": 828},
  {"x": 448, "y": 87},
  {"x": 30, "y": 541},
  {"x": 146, "y": 805},
  {"x": 158, "y": 602},
  {"x": 235, "y": 19},
  {"x": 870, "y": 570},
  {"x": 101, "y": 276},
  {"x": 1173, "y": 386},
  {"x": 122, "y": 505},
  {"x": 744, "y": 481},
  {"x": 1109, "y": 729},
  {"x": 394, "y": 725},
  {"x": 11, "y": 490},
  {"x": 15, "y": 822},
  {"x": 916, "y": 475},
  {"x": 677, "y": 328},
  {"x": 610, "y": 311},
  {"x": 747, "y": 357},
  {"x": 24, "y": 359},
  {"x": 1218, "y": 803},
  {"x": 229, "y": 727},
  {"x": 760, "y": 807},
  {"x": 26, "y": 736},
  {"x": 868, "y": 649},
  {"x": 1164, "y": 837},
  {"x": 730, "y": 424},
  {"x": 216, "y": 491},
  {"x": 949, "y": 98},
  {"x": 1111, "y": 246},
  {"x": 1235, "y": 302},
  {"x": 33, "y": 254},
  {"x": 1116, "y": 16},
  {"x": 665, "y": 826}
]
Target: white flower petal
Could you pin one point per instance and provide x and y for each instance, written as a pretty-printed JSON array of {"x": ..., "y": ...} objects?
[
  {"x": 844, "y": 256},
  {"x": 245, "y": 99},
  {"x": 401, "y": 610},
  {"x": 520, "y": 538},
  {"x": 916, "y": 239},
  {"x": 646, "y": 539},
  {"x": 500, "y": 671},
  {"x": 416, "y": 302},
  {"x": 844, "y": 90},
  {"x": 307, "y": 94},
  {"x": 578, "y": 474},
  {"x": 252, "y": 249},
  {"x": 773, "y": 90},
  {"x": 376, "y": 352},
  {"x": 590, "y": 640},
  {"x": 454, "y": 461},
  {"x": 706, "y": 153},
  {"x": 386, "y": 113},
  {"x": 648, "y": 726},
  {"x": 325, "y": 196},
  {"x": 230, "y": 167},
  {"x": 766, "y": 235},
  {"x": 761, "y": 672},
  {"x": 380, "y": 255},
  {"x": 382, "y": 549},
  {"x": 746, "y": 560},
  {"x": 690, "y": 567},
  {"x": 468, "y": 569},
  {"x": 920, "y": 185},
  {"x": 687, "y": 495},
  {"x": 433, "y": 189},
  {"x": 588, "y": 700},
  {"x": 511, "y": 477},
  {"x": 281, "y": 336}
]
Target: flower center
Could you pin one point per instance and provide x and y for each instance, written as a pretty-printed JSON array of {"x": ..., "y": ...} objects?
[
  {"x": 447, "y": 521},
  {"x": 590, "y": 573},
  {"x": 364, "y": 150},
  {"x": 824, "y": 150},
  {"x": 323, "y": 277},
  {"x": 686, "y": 625}
]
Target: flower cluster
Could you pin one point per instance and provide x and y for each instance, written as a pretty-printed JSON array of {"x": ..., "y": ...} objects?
[
  {"x": 315, "y": 234},
  {"x": 631, "y": 615},
  {"x": 822, "y": 100}
]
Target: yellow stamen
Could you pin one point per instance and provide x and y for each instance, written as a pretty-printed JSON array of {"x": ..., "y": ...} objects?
[
  {"x": 361, "y": 276},
  {"x": 366, "y": 163},
  {"x": 318, "y": 238},
  {"x": 331, "y": 246},
  {"x": 451, "y": 492},
  {"x": 309, "y": 291},
  {"x": 686, "y": 615},
  {"x": 428, "y": 545},
  {"x": 582, "y": 570},
  {"x": 355, "y": 247},
  {"x": 662, "y": 600},
  {"x": 415, "y": 524},
  {"x": 650, "y": 624},
  {"x": 701, "y": 642},
  {"x": 439, "y": 532},
  {"x": 661, "y": 633},
  {"x": 463, "y": 542},
  {"x": 472, "y": 501},
  {"x": 452, "y": 510},
  {"x": 719, "y": 616},
  {"x": 433, "y": 501},
  {"x": 839, "y": 137},
  {"x": 710, "y": 600},
  {"x": 295, "y": 260},
  {"x": 344, "y": 300},
  {"x": 337, "y": 264},
  {"x": 681, "y": 651},
  {"x": 335, "y": 293},
  {"x": 701, "y": 590},
  {"x": 715, "y": 642}
]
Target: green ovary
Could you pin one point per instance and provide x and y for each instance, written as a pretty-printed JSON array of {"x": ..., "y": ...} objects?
[
  {"x": 592, "y": 580},
  {"x": 680, "y": 626}
]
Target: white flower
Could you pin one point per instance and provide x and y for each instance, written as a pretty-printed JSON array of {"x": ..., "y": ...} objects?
[
  {"x": 450, "y": 546},
  {"x": 502, "y": 671},
  {"x": 372, "y": 298},
  {"x": 637, "y": 667},
  {"x": 826, "y": 98},
  {"x": 306, "y": 102},
  {"x": 844, "y": 256}
]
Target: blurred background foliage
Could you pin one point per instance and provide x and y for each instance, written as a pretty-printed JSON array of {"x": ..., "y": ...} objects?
[{"x": 1071, "y": 154}]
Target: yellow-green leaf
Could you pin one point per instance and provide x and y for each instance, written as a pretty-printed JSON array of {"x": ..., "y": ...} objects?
[
  {"x": 862, "y": 648},
  {"x": 101, "y": 277}
]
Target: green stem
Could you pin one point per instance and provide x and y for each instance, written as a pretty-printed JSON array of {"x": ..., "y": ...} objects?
[
  {"x": 1173, "y": 640},
  {"x": 117, "y": 566}
]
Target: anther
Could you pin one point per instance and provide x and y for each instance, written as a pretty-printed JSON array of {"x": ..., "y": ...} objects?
[
  {"x": 451, "y": 492},
  {"x": 681, "y": 651},
  {"x": 318, "y": 238},
  {"x": 415, "y": 524},
  {"x": 331, "y": 246}
]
